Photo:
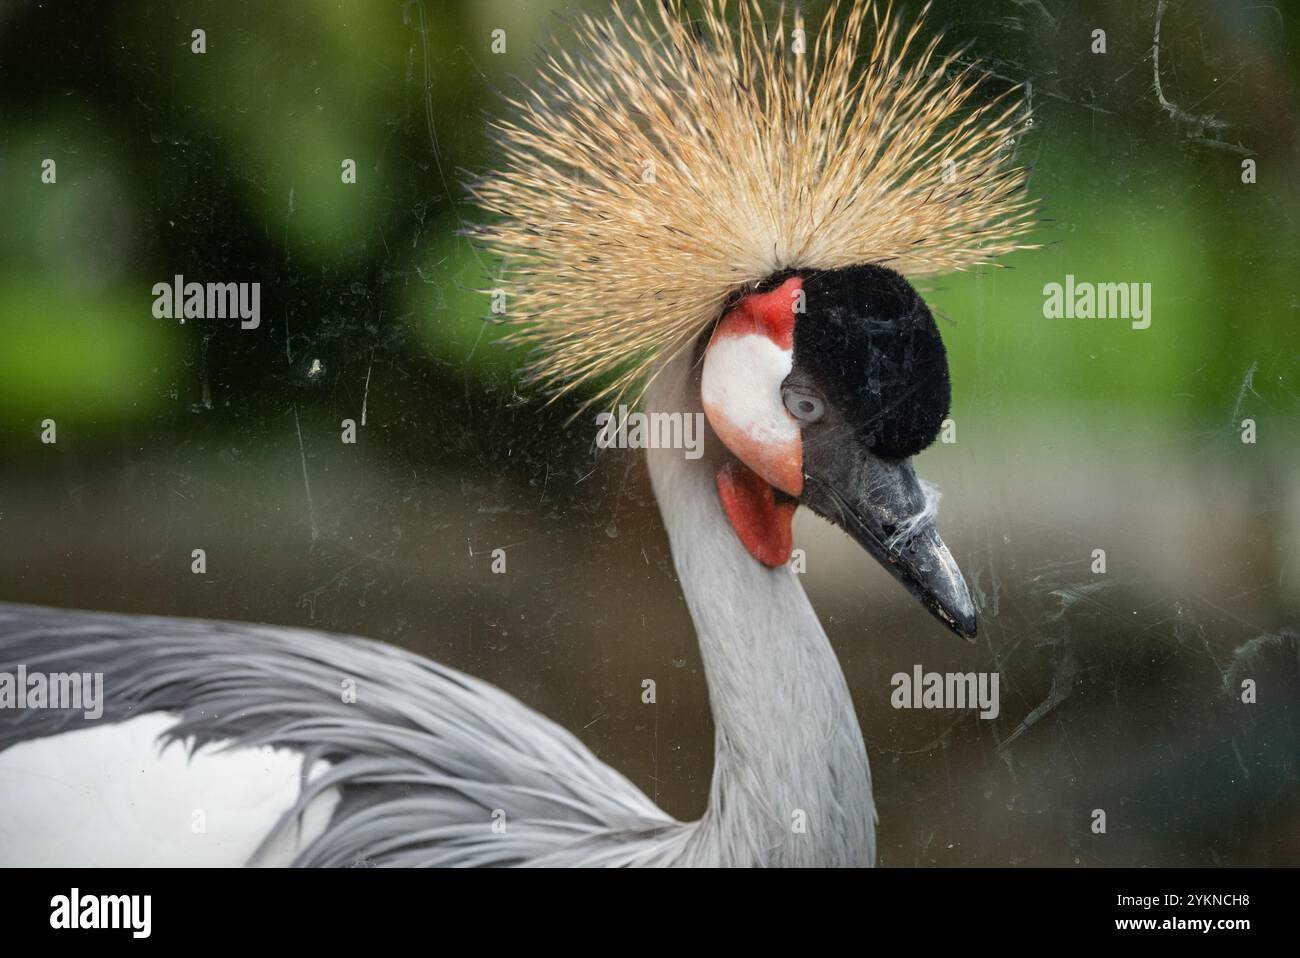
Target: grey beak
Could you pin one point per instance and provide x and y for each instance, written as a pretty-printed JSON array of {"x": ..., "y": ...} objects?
[{"x": 881, "y": 504}]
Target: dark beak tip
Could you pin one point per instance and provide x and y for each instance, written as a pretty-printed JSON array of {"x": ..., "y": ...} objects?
[
  {"x": 871, "y": 513},
  {"x": 962, "y": 622}
]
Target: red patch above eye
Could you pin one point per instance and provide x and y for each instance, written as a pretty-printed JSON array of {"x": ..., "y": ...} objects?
[
  {"x": 762, "y": 523},
  {"x": 771, "y": 312}
]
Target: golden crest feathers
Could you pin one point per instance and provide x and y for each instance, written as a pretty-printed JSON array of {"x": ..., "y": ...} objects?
[{"x": 658, "y": 165}]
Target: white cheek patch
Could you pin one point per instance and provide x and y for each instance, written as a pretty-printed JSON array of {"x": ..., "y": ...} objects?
[
  {"x": 742, "y": 380},
  {"x": 741, "y": 391}
]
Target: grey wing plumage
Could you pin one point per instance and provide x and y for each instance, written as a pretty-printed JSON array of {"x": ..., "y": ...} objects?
[{"x": 427, "y": 760}]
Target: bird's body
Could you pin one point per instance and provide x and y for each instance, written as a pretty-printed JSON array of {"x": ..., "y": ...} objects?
[
  {"x": 735, "y": 292},
  {"x": 409, "y": 773}
]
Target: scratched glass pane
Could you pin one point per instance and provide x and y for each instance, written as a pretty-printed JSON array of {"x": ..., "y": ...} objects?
[{"x": 356, "y": 451}]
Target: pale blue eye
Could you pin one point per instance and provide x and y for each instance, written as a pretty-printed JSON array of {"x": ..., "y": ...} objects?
[{"x": 804, "y": 406}]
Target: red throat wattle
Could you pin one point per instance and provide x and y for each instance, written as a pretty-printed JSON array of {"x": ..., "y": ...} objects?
[{"x": 762, "y": 523}]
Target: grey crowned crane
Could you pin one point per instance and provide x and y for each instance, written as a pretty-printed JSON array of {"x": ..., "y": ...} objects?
[{"x": 713, "y": 216}]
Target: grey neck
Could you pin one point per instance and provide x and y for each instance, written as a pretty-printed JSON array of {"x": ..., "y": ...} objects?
[{"x": 791, "y": 784}]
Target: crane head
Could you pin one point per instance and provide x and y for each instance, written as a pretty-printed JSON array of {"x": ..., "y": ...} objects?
[
  {"x": 822, "y": 385},
  {"x": 671, "y": 154}
]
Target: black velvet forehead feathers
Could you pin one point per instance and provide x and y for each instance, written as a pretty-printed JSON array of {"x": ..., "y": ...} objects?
[{"x": 868, "y": 340}]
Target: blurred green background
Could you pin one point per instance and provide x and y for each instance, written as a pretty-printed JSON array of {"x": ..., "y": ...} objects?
[{"x": 1072, "y": 434}]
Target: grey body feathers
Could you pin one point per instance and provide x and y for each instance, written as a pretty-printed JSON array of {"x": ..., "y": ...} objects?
[{"x": 422, "y": 758}]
